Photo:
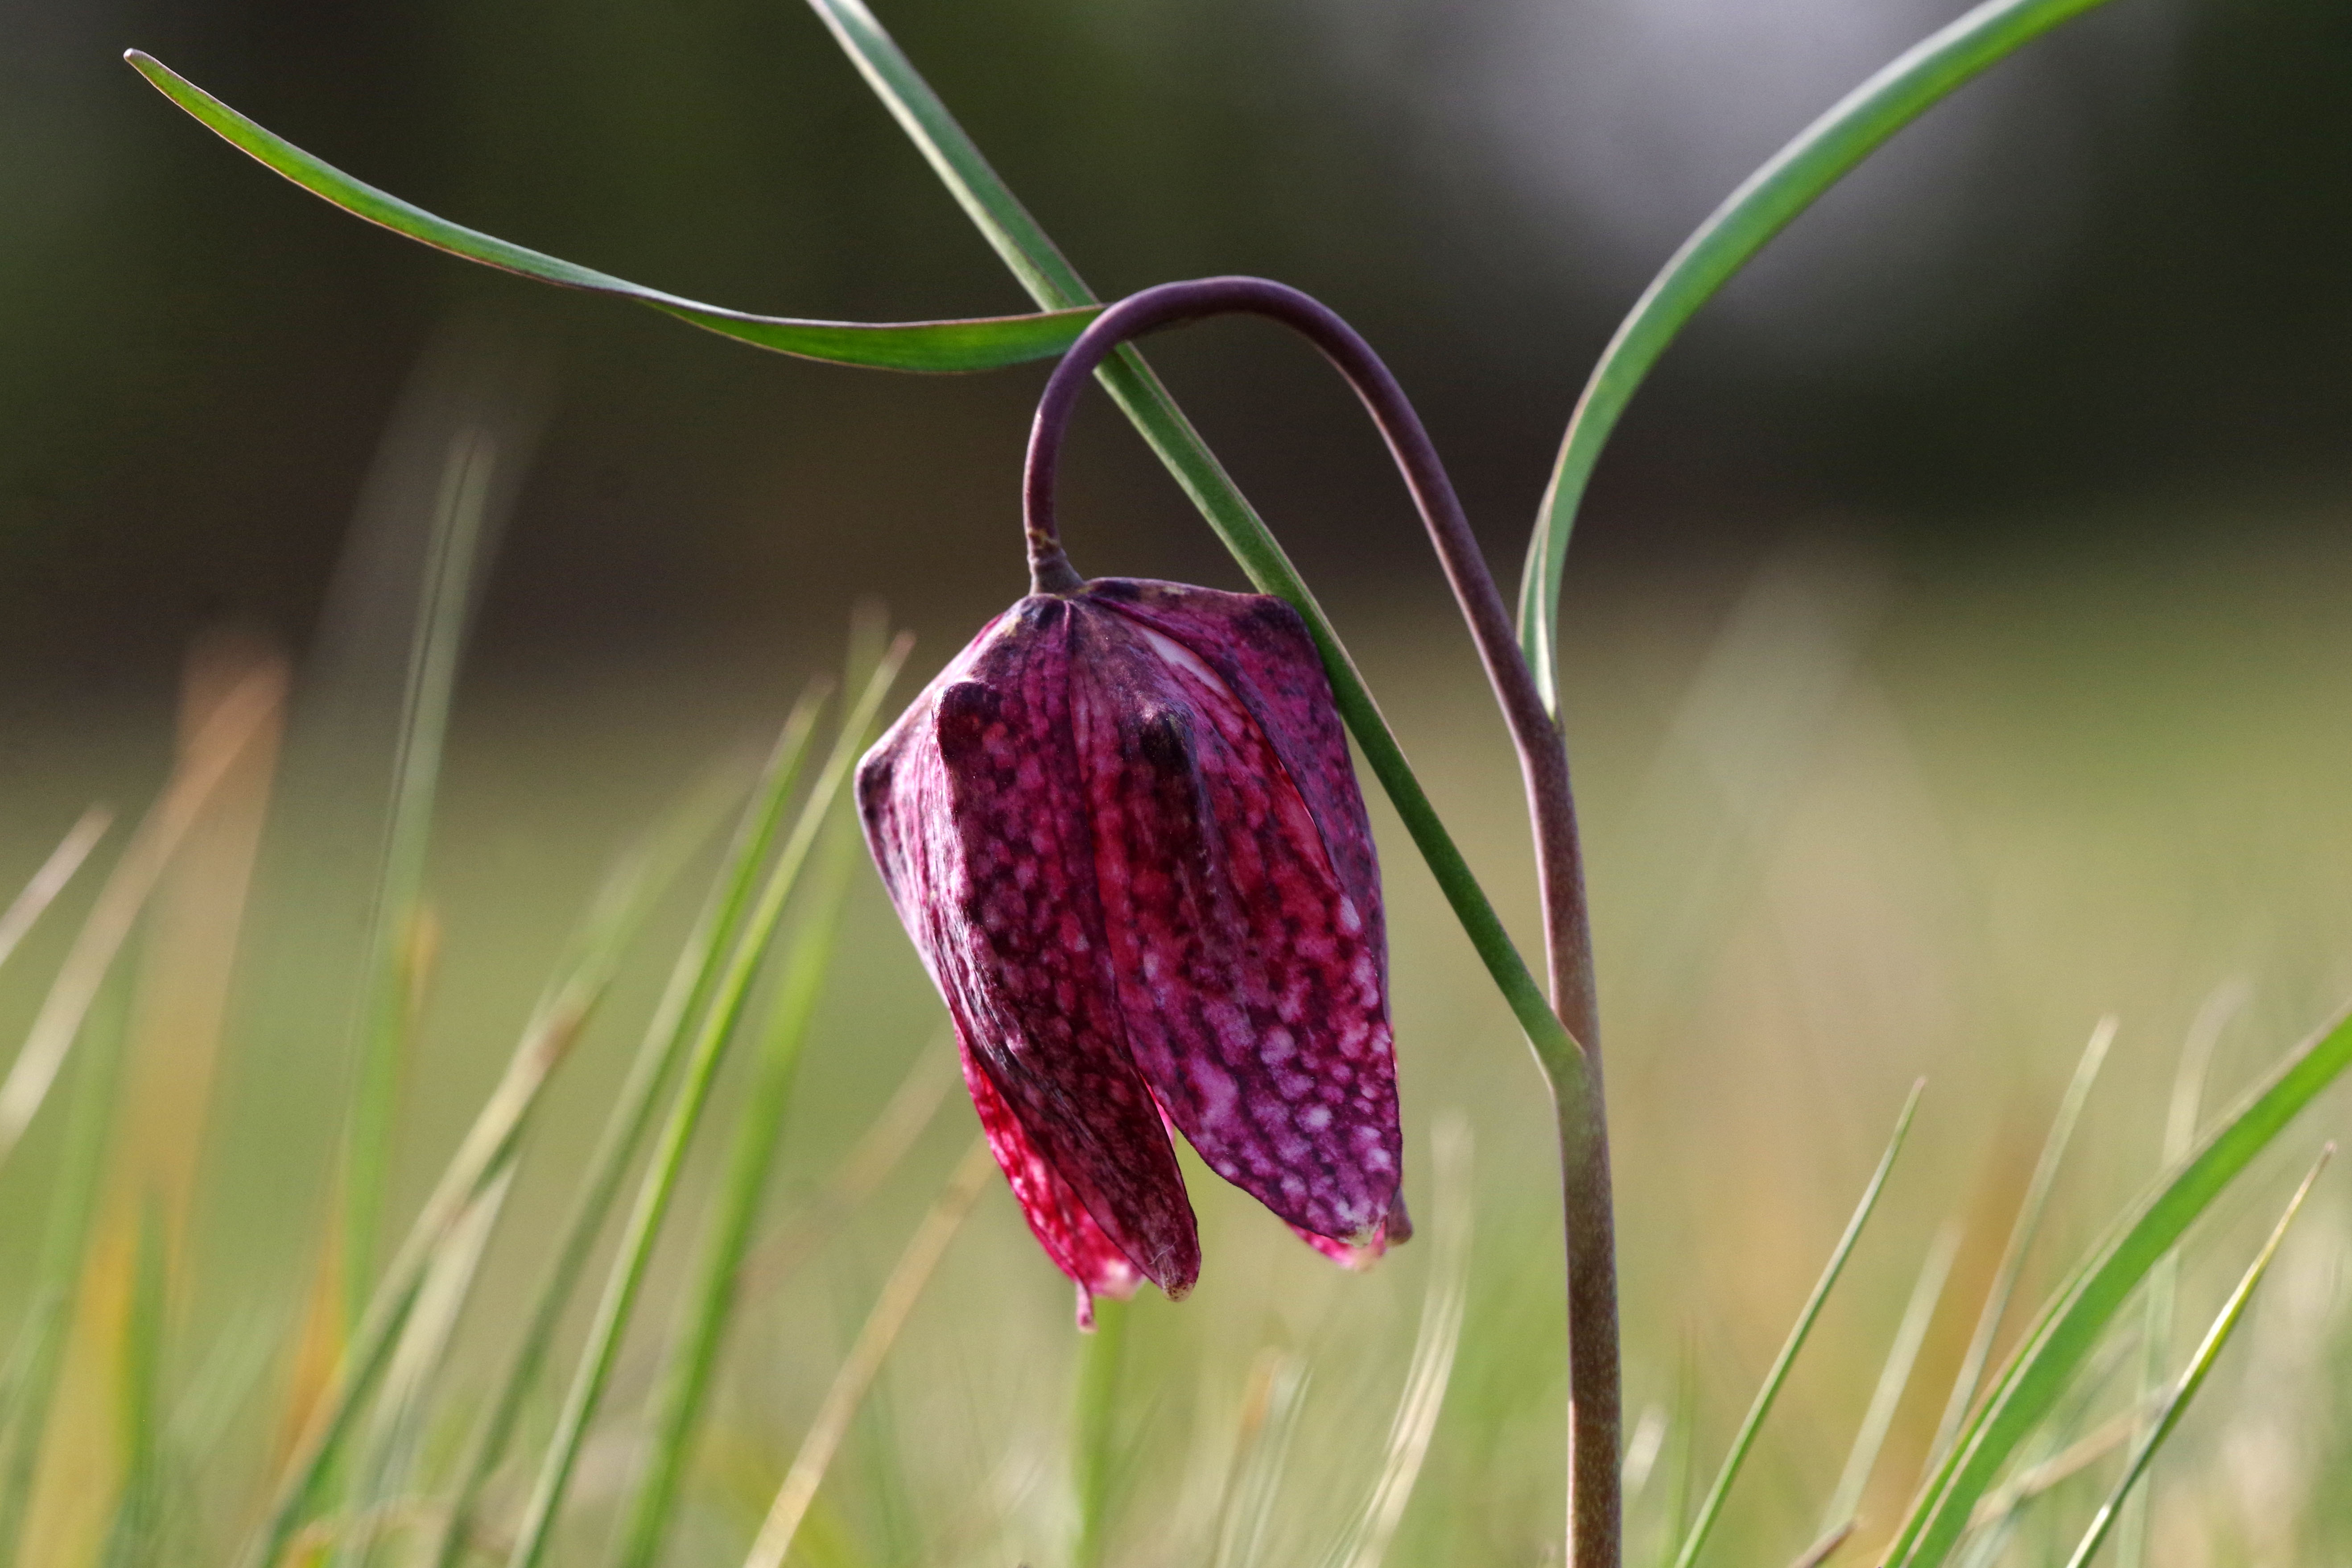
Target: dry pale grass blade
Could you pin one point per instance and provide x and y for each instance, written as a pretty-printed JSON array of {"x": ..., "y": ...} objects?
[
  {"x": 50, "y": 880},
  {"x": 1278, "y": 1389},
  {"x": 95, "y": 1480},
  {"x": 481, "y": 1160},
  {"x": 1822, "y": 1551},
  {"x": 1431, "y": 1367},
  {"x": 2029, "y": 1214},
  {"x": 210, "y": 755},
  {"x": 2072, "y": 1460},
  {"x": 1894, "y": 1377},
  {"x": 396, "y": 1426},
  {"x": 900, "y": 1293}
]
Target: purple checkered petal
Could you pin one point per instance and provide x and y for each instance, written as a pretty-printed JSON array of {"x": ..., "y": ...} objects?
[
  {"x": 1124, "y": 833},
  {"x": 1251, "y": 975},
  {"x": 974, "y": 809}
]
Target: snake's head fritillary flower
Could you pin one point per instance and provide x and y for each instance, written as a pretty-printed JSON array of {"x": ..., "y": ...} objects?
[{"x": 1122, "y": 829}]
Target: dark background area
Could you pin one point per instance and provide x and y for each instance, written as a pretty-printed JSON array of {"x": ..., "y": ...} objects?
[{"x": 2099, "y": 291}]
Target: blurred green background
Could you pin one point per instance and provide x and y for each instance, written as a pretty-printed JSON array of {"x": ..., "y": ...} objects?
[
  {"x": 1957, "y": 653},
  {"x": 2101, "y": 287}
]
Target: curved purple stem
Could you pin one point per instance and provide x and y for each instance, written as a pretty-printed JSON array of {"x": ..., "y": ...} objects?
[{"x": 1595, "y": 1422}]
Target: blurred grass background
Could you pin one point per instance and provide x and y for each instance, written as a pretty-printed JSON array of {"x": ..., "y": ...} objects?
[
  {"x": 1956, "y": 654},
  {"x": 1843, "y": 834}
]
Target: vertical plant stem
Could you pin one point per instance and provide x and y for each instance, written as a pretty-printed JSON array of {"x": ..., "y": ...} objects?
[{"x": 1094, "y": 1456}]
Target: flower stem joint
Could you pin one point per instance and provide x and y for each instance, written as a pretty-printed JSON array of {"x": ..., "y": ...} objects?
[{"x": 1123, "y": 831}]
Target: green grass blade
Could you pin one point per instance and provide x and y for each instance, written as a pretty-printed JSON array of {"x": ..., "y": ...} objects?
[
  {"x": 983, "y": 343},
  {"x": 2029, "y": 1214},
  {"x": 2071, "y": 1326},
  {"x": 65, "y": 1241},
  {"x": 132, "y": 1538},
  {"x": 483, "y": 1160},
  {"x": 443, "y": 606},
  {"x": 665, "y": 1043},
  {"x": 715, "y": 1287},
  {"x": 1695, "y": 1539},
  {"x": 208, "y": 756},
  {"x": 1894, "y": 1377},
  {"x": 388, "y": 1459},
  {"x": 880, "y": 1331},
  {"x": 1277, "y": 1390},
  {"x": 2181, "y": 1115},
  {"x": 1759, "y": 208},
  {"x": 1052, "y": 282},
  {"x": 1094, "y": 1444},
  {"x": 659, "y": 1185},
  {"x": 2193, "y": 1378},
  {"x": 46, "y": 883},
  {"x": 1684, "y": 1430}
]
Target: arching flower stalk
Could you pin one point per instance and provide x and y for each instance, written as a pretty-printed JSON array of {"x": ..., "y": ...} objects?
[{"x": 1122, "y": 829}]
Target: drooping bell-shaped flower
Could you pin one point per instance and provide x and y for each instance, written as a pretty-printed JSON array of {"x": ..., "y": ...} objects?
[{"x": 1122, "y": 829}]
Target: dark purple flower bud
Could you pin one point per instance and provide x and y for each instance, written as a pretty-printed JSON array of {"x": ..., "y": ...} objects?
[{"x": 1123, "y": 831}]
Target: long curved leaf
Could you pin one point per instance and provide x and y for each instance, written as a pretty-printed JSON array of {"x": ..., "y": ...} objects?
[
  {"x": 1764, "y": 201},
  {"x": 2072, "y": 1325},
  {"x": 1047, "y": 275},
  {"x": 980, "y": 343}
]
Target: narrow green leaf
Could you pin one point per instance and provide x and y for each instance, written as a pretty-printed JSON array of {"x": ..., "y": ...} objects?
[
  {"x": 396, "y": 1432},
  {"x": 2072, "y": 1325},
  {"x": 1759, "y": 208},
  {"x": 660, "y": 1185},
  {"x": 133, "y": 1539},
  {"x": 666, "y": 1039},
  {"x": 2193, "y": 1378},
  {"x": 1701, "y": 1527},
  {"x": 1052, "y": 282},
  {"x": 716, "y": 1287},
  {"x": 980, "y": 343},
  {"x": 74, "y": 1189},
  {"x": 2181, "y": 1119},
  {"x": 2021, "y": 1239},
  {"x": 481, "y": 1163}
]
